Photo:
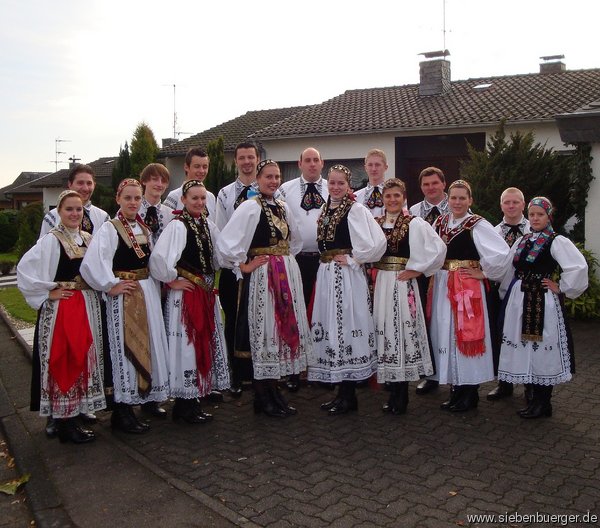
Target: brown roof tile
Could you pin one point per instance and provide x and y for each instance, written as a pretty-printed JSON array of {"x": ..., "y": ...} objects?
[
  {"x": 233, "y": 131},
  {"x": 516, "y": 98}
]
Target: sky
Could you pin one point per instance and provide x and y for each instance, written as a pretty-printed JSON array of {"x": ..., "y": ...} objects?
[{"x": 88, "y": 72}]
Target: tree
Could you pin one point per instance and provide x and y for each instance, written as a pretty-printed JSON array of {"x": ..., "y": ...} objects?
[
  {"x": 8, "y": 230},
  {"x": 144, "y": 149},
  {"x": 218, "y": 174},
  {"x": 518, "y": 162},
  {"x": 122, "y": 168}
]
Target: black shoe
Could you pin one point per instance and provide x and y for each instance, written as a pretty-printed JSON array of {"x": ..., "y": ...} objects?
[
  {"x": 528, "y": 393},
  {"x": 265, "y": 403},
  {"x": 51, "y": 428},
  {"x": 281, "y": 402},
  {"x": 502, "y": 390},
  {"x": 455, "y": 395},
  {"x": 343, "y": 406},
  {"x": 398, "y": 400},
  {"x": 153, "y": 409},
  {"x": 293, "y": 383},
  {"x": 537, "y": 410},
  {"x": 215, "y": 396},
  {"x": 68, "y": 431},
  {"x": 235, "y": 391},
  {"x": 189, "y": 412},
  {"x": 426, "y": 386},
  {"x": 88, "y": 418},
  {"x": 124, "y": 420}
]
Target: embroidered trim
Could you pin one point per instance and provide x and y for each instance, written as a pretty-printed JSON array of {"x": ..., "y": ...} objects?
[
  {"x": 276, "y": 222},
  {"x": 395, "y": 235},
  {"x": 327, "y": 224},
  {"x": 72, "y": 249},
  {"x": 447, "y": 234},
  {"x": 124, "y": 229}
]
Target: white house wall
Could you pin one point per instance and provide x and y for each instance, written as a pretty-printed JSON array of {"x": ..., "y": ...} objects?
[{"x": 50, "y": 197}]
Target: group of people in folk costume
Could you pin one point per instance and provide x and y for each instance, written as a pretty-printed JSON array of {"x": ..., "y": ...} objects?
[{"x": 313, "y": 278}]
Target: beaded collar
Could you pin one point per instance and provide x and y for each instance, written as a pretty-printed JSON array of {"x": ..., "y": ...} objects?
[
  {"x": 125, "y": 229},
  {"x": 447, "y": 234},
  {"x": 201, "y": 232},
  {"x": 397, "y": 233},
  {"x": 327, "y": 223},
  {"x": 71, "y": 247},
  {"x": 276, "y": 222}
]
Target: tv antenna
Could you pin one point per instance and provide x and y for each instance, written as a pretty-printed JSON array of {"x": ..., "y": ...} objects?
[
  {"x": 176, "y": 134},
  {"x": 58, "y": 152}
]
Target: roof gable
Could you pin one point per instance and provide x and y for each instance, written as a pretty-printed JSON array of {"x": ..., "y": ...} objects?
[
  {"x": 516, "y": 98},
  {"x": 233, "y": 131}
]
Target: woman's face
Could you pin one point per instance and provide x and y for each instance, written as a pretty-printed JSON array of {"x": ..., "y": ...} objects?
[
  {"x": 129, "y": 200},
  {"x": 337, "y": 185},
  {"x": 538, "y": 218},
  {"x": 268, "y": 180},
  {"x": 195, "y": 200},
  {"x": 459, "y": 201},
  {"x": 393, "y": 200},
  {"x": 71, "y": 212}
]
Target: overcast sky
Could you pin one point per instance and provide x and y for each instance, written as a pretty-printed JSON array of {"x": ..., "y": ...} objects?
[{"x": 89, "y": 71}]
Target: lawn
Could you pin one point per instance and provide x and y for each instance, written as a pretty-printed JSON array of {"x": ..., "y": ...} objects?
[{"x": 14, "y": 303}]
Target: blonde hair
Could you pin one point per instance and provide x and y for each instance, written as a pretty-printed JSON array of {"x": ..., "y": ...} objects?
[
  {"x": 512, "y": 190},
  {"x": 376, "y": 152}
]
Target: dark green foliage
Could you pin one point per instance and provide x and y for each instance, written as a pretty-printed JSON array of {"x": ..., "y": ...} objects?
[
  {"x": 581, "y": 179},
  {"x": 8, "y": 230},
  {"x": 518, "y": 162},
  {"x": 122, "y": 168},
  {"x": 29, "y": 220},
  {"x": 144, "y": 149},
  {"x": 7, "y": 263},
  {"x": 104, "y": 197},
  {"x": 218, "y": 173},
  {"x": 587, "y": 305}
]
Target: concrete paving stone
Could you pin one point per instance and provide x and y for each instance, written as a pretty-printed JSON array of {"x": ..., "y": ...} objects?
[
  {"x": 329, "y": 498},
  {"x": 306, "y": 508},
  {"x": 335, "y": 511},
  {"x": 270, "y": 517},
  {"x": 298, "y": 519},
  {"x": 586, "y": 502},
  {"x": 373, "y": 519},
  {"x": 295, "y": 495}
]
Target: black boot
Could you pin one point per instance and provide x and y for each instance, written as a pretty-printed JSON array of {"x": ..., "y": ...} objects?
[
  {"x": 502, "y": 390},
  {"x": 528, "y": 393},
  {"x": 123, "y": 419},
  {"x": 153, "y": 409},
  {"x": 68, "y": 431},
  {"x": 332, "y": 403},
  {"x": 348, "y": 401},
  {"x": 197, "y": 406},
  {"x": 51, "y": 428},
  {"x": 293, "y": 383},
  {"x": 186, "y": 409},
  {"x": 264, "y": 400},
  {"x": 426, "y": 386},
  {"x": 468, "y": 399},
  {"x": 540, "y": 405},
  {"x": 279, "y": 400},
  {"x": 455, "y": 395},
  {"x": 398, "y": 400}
]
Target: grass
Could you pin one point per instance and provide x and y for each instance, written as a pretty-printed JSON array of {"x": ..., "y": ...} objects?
[{"x": 14, "y": 303}]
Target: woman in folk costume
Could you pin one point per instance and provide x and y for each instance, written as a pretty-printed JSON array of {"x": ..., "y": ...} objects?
[
  {"x": 342, "y": 324},
  {"x": 185, "y": 259},
  {"x": 537, "y": 347},
  {"x": 69, "y": 322},
  {"x": 460, "y": 329},
  {"x": 413, "y": 249},
  {"x": 116, "y": 263},
  {"x": 260, "y": 240}
]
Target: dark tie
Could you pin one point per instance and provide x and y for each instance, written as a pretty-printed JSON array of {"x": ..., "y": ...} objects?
[
  {"x": 311, "y": 199},
  {"x": 432, "y": 215},
  {"x": 512, "y": 234},
  {"x": 242, "y": 197},
  {"x": 86, "y": 223},
  {"x": 375, "y": 200},
  {"x": 151, "y": 219}
]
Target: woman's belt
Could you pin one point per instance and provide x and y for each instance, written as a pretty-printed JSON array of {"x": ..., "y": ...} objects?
[
  {"x": 197, "y": 280},
  {"x": 137, "y": 274},
  {"x": 327, "y": 255},
  {"x": 282, "y": 248},
  {"x": 528, "y": 276},
  {"x": 453, "y": 265},
  {"x": 76, "y": 284},
  {"x": 391, "y": 263}
]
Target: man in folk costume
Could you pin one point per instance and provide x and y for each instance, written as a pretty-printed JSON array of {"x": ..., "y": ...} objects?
[
  {"x": 371, "y": 196},
  {"x": 155, "y": 214},
  {"x": 435, "y": 203},
  {"x": 305, "y": 196},
  {"x": 196, "y": 168},
  {"x": 513, "y": 226}
]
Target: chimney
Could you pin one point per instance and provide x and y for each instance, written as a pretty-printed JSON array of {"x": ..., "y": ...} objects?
[
  {"x": 552, "y": 64},
  {"x": 434, "y": 74}
]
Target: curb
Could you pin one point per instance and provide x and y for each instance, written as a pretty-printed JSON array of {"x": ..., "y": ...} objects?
[{"x": 43, "y": 499}]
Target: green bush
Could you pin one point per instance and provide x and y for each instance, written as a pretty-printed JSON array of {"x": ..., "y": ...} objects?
[
  {"x": 587, "y": 305},
  {"x": 30, "y": 221},
  {"x": 7, "y": 262},
  {"x": 8, "y": 230}
]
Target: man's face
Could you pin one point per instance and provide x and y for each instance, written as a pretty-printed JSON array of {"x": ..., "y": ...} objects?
[
  {"x": 197, "y": 169},
  {"x": 154, "y": 187},
  {"x": 84, "y": 184},
  {"x": 433, "y": 188},
  {"x": 512, "y": 207},
  {"x": 246, "y": 161},
  {"x": 311, "y": 165},
  {"x": 375, "y": 168}
]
